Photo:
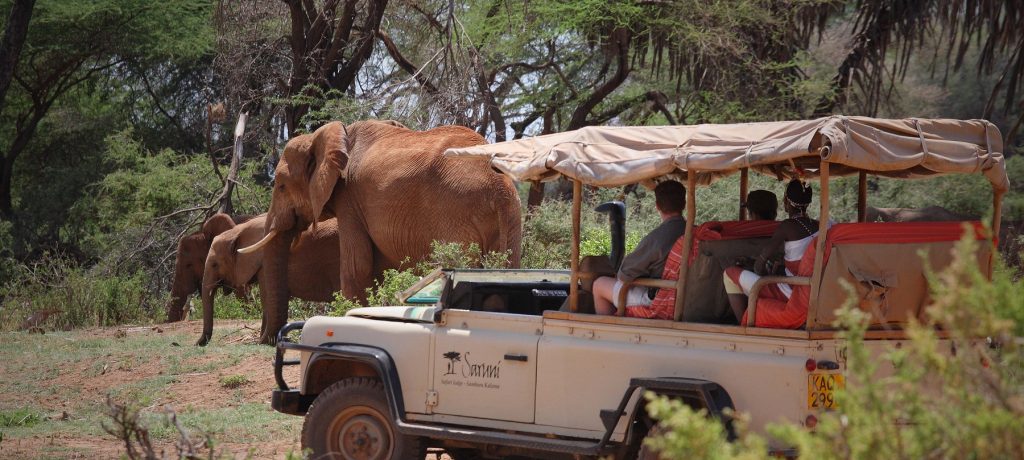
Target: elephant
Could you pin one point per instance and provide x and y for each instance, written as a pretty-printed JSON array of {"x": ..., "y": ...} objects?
[
  {"x": 393, "y": 193},
  {"x": 926, "y": 214},
  {"x": 190, "y": 259},
  {"x": 312, "y": 269}
]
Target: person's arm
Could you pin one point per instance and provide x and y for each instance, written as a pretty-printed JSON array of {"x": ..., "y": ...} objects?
[{"x": 775, "y": 246}]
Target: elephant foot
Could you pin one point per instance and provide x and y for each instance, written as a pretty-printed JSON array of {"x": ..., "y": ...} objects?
[{"x": 268, "y": 338}]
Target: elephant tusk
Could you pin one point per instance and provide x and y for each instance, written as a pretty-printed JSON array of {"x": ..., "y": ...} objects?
[{"x": 259, "y": 244}]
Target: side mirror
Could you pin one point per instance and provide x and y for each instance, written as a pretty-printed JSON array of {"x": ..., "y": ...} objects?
[{"x": 616, "y": 211}]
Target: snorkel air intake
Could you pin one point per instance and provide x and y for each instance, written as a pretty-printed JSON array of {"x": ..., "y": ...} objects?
[{"x": 616, "y": 211}]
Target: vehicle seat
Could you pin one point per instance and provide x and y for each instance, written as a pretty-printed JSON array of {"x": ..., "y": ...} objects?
[
  {"x": 715, "y": 246},
  {"x": 883, "y": 263}
]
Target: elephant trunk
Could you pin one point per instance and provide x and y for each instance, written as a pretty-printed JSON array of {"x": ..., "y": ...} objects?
[
  {"x": 209, "y": 289},
  {"x": 181, "y": 289},
  {"x": 274, "y": 291}
]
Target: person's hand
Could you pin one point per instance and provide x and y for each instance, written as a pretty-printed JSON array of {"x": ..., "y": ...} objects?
[
  {"x": 774, "y": 267},
  {"x": 745, "y": 262}
]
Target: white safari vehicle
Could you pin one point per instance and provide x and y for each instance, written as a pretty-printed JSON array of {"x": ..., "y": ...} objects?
[{"x": 511, "y": 363}]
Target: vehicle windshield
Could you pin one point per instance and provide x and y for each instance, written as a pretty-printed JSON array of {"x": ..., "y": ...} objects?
[{"x": 429, "y": 289}]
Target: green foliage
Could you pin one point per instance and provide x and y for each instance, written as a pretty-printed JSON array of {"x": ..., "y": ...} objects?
[
  {"x": 683, "y": 432},
  {"x": 459, "y": 255},
  {"x": 597, "y": 242},
  {"x": 21, "y": 416},
  {"x": 393, "y": 282},
  {"x": 1013, "y": 205},
  {"x": 928, "y": 398},
  {"x": 74, "y": 297},
  {"x": 233, "y": 307},
  {"x": 233, "y": 381},
  {"x": 8, "y": 264}
]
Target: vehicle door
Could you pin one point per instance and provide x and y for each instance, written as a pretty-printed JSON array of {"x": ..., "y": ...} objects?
[{"x": 486, "y": 365}]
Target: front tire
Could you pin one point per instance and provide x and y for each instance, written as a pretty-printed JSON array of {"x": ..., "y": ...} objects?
[{"x": 350, "y": 421}]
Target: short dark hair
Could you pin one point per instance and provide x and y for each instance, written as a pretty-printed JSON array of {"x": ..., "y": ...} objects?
[
  {"x": 670, "y": 196},
  {"x": 763, "y": 203}
]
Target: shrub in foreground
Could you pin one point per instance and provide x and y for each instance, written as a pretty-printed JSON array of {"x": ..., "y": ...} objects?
[{"x": 961, "y": 398}]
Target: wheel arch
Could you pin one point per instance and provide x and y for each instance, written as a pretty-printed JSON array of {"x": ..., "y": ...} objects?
[
  {"x": 324, "y": 370},
  {"x": 696, "y": 393},
  {"x": 332, "y": 362}
]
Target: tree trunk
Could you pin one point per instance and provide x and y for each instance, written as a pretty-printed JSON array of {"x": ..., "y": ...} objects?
[
  {"x": 236, "y": 162},
  {"x": 10, "y": 46},
  {"x": 6, "y": 209},
  {"x": 24, "y": 134}
]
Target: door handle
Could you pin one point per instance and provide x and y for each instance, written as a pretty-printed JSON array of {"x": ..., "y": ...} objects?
[{"x": 512, "y": 357}]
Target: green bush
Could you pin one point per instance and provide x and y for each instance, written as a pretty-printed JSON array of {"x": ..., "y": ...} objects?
[
  {"x": 21, "y": 416},
  {"x": 233, "y": 381},
  {"x": 72, "y": 297},
  {"x": 977, "y": 411},
  {"x": 230, "y": 306}
]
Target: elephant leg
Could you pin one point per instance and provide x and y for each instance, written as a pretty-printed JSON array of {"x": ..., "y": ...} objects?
[{"x": 356, "y": 259}]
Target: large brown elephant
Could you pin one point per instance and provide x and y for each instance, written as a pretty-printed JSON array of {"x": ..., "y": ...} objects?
[
  {"x": 393, "y": 193},
  {"x": 190, "y": 259},
  {"x": 313, "y": 267}
]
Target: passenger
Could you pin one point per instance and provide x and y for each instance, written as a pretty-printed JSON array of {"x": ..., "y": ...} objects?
[
  {"x": 793, "y": 235},
  {"x": 762, "y": 204},
  {"x": 648, "y": 259}
]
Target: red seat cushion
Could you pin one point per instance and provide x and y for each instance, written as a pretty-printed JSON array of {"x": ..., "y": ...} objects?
[{"x": 793, "y": 314}]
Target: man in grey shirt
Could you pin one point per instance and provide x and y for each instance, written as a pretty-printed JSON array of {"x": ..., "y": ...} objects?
[{"x": 648, "y": 259}]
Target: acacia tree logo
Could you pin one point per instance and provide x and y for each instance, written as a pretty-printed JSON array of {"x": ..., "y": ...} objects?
[{"x": 452, "y": 357}]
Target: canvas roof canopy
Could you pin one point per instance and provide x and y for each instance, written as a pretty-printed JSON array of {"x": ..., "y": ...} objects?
[{"x": 613, "y": 156}]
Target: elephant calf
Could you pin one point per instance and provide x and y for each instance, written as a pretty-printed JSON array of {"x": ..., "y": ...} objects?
[
  {"x": 191, "y": 258},
  {"x": 313, "y": 268}
]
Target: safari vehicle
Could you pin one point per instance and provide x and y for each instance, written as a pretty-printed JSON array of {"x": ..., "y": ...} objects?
[{"x": 489, "y": 362}]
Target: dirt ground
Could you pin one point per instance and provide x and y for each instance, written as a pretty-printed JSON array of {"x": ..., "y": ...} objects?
[
  {"x": 54, "y": 388},
  {"x": 62, "y": 379}
]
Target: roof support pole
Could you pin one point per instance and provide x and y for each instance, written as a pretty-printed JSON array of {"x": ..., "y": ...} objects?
[
  {"x": 574, "y": 259},
  {"x": 819, "y": 255},
  {"x": 862, "y": 196},
  {"x": 684, "y": 262},
  {"x": 997, "y": 213},
  {"x": 744, "y": 185}
]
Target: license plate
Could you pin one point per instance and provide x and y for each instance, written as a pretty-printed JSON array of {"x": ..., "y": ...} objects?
[{"x": 821, "y": 390}]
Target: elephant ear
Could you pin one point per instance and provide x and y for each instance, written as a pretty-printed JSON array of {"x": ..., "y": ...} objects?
[
  {"x": 327, "y": 161},
  {"x": 243, "y": 266},
  {"x": 217, "y": 224}
]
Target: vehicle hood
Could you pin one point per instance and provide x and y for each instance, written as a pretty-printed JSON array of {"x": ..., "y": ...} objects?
[{"x": 409, "y": 314}]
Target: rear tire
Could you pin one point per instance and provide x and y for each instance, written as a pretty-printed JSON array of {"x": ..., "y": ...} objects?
[
  {"x": 350, "y": 420},
  {"x": 646, "y": 452}
]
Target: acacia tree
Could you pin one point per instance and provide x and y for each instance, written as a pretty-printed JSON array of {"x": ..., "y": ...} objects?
[
  {"x": 10, "y": 45},
  {"x": 329, "y": 44},
  {"x": 73, "y": 43},
  {"x": 887, "y": 33}
]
